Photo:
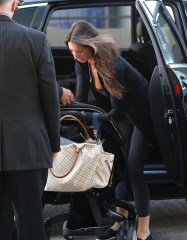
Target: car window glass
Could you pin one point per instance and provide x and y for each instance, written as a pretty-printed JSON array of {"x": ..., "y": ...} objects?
[
  {"x": 185, "y": 5},
  {"x": 170, "y": 47},
  {"x": 170, "y": 10},
  {"x": 111, "y": 20},
  {"x": 25, "y": 16},
  {"x": 166, "y": 32}
]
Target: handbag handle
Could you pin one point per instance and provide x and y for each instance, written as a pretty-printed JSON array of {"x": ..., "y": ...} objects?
[
  {"x": 66, "y": 174},
  {"x": 87, "y": 136}
]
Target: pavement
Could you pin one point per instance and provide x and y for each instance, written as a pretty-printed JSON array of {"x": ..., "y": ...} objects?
[{"x": 168, "y": 220}]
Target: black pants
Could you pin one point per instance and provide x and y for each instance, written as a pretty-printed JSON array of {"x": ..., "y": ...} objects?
[
  {"x": 123, "y": 189},
  {"x": 138, "y": 154},
  {"x": 21, "y": 192},
  {"x": 134, "y": 183}
]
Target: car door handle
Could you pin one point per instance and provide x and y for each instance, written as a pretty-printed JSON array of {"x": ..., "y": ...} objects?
[{"x": 169, "y": 116}]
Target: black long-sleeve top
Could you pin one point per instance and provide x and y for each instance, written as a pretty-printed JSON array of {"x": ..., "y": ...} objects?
[{"x": 135, "y": 102}]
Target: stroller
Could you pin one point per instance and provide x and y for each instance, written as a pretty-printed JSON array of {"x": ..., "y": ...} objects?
[{"x": 100, "y": 202}]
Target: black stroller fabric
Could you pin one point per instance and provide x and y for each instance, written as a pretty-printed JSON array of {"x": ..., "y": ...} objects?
[
  {"x": 80, "y": 215},
  {"x": 87, "y": 209}
]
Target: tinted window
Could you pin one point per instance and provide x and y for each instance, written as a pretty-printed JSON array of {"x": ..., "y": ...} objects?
[
  {"x": 25, "y": 16},
  {"x": 111, "y": 20},
  {"x": 169, "y": 44},
  {"x": 170, "y": 10},
  {"x": 185, "y": 5}
]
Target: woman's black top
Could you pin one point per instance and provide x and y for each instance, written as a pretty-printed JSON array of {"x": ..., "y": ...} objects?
[{"x": 135, "y": 102}]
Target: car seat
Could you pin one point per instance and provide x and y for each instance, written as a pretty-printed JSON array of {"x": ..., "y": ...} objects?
[{"x": 141, "y": 53}]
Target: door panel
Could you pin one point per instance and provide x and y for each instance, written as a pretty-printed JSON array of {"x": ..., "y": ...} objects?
[
  {"x": 178, "y": 76},
  {"x": 166, "y": 129}
]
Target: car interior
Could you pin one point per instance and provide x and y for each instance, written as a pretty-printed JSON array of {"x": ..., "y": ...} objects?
[{"x": 141, "y": 53}]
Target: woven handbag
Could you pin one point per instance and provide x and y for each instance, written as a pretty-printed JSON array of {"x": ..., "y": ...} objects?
[{"x": 80, "y": 166}]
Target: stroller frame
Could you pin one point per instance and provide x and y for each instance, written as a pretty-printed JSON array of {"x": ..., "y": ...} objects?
[{"x": 99, "y": 205}]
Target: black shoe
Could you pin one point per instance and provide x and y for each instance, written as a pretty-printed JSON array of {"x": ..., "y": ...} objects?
[
  {"x": 109, "y": 234},
  {"x": 148, "y": 238}
]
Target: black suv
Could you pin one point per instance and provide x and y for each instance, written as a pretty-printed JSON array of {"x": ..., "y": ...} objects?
[{"x": 152, "y": 37}]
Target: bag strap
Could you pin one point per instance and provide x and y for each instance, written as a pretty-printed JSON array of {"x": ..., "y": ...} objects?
[
  {"x": 96, "y": 126},
  {"x": 62, "y": 176},
  {"x": 110, "y": 182},
  {"x": 87, "y": 136}
]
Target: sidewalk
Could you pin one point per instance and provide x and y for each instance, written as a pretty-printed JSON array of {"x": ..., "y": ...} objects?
[{"x": 168, "y": 220}]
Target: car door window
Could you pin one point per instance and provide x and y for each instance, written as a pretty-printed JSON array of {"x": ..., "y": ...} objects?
[
  {"x": 111, "y": 20},
  {"x": 170, "y": 44},
  {"x": 170, "y": 47},
  {"x": 170, "y": 10},
  {"x": 25, "y": 16},
  {"x": 32, "y": 15},
  {"x": 185, "y": 5}
]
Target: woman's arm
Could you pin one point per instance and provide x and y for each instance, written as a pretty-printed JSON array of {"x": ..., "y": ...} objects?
[
  {"x": 82, "y": 87},
  {"x": 120, "y": 106}
]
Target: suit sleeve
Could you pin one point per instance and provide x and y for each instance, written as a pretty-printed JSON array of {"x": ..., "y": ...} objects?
[
  {"x": 60, "y": 91},
  {"x": 49, "y": 94}
]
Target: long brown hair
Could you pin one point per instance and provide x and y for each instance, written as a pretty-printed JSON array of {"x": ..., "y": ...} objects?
[{"x": 105, "y": 53}]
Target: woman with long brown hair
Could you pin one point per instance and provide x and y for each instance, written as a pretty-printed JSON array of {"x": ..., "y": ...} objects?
[{"x": 122, "y": 91}]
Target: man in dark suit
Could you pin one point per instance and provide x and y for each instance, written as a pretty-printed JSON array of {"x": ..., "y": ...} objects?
[{"x": 29, "y": 124}]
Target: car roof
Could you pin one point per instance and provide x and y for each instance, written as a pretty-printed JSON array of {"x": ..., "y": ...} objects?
[
  {"x": 26, "y": 2},
  {"x": 74, "y": 1}
]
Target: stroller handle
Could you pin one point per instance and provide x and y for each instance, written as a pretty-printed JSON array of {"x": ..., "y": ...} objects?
[{"x": 86, "y": 116}]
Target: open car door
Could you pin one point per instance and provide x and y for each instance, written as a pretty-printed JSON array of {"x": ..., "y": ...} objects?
[{"x": 168, "y": 87}]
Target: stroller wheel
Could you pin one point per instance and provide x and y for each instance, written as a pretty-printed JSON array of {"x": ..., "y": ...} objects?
[{"x": 131, "y": 233}]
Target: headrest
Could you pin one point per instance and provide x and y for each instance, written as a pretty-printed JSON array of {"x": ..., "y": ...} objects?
[{"x": 141, "y": 31}]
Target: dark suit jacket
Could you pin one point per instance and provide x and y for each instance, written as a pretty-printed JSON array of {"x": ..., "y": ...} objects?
[
  {"x": 135, "y": 102},
  {"x": 29, "y": 104}
]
